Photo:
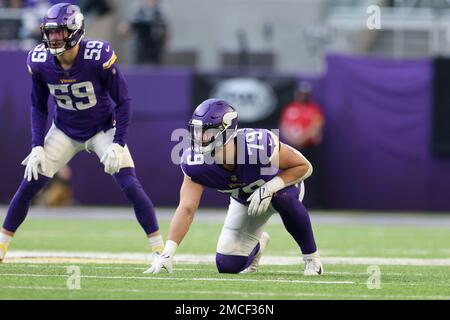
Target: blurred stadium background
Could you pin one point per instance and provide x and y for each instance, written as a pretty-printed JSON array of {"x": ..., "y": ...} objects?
[{"x": 384, "y": 92}]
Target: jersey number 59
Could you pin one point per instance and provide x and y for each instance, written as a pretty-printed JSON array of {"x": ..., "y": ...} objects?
[{"x": 78, "y": 90}]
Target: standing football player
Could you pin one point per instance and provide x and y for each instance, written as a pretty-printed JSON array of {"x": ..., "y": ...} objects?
[
  {"x": 262, "y": 176},
  {"x": 81, "y": 76}
]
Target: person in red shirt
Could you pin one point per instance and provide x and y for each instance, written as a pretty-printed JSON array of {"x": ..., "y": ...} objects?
[
  {"x": 302, "y": 120},
  {"x": 301, "y": 126}
]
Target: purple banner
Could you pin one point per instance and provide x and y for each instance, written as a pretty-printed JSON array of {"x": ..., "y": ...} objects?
[{"x": 377, "y": 151}]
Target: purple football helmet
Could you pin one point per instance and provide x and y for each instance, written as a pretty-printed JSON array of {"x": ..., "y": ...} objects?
[
  {"x": 59, "y": 18},
  {"x": 213, "y": 124}
]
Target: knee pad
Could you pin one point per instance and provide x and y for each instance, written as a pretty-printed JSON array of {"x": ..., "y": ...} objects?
[
  {"x": 230, "y": 263},
  {"x": 229, "y": 242}
]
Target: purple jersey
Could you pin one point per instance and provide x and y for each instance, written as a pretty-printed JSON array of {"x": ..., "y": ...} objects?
[
  {"x": 257, "y": 152},
  {"x": 90, "y": 96}
]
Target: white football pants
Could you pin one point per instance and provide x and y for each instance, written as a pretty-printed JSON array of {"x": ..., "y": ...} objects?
[
  {"x": 60, "y": 149},
  {"x": 241, "y": 232}
]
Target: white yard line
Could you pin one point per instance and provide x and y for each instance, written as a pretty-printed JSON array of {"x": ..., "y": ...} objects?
[
  {"x": 234, "y": 293},
  {"x": 144, "y": 258},
  {"x": 152, "y": 277},
  {"x": 215, "y": 271},
  {"x": 149, "y": 277}
]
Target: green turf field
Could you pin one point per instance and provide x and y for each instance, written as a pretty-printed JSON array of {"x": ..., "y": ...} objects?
[{"x": 422, "y": 246}]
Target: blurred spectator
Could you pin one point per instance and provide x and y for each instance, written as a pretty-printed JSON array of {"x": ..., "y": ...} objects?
[
  {"x": 58, "y": 192},
  {"x": 99, "y": 18},
  {"x": 30, "y": 32},
  {"x": 10, "y": 23},
  {"x": 301, "y": 126},
  {"x": 13, "y": 4},
  {"x": 34, "y": 10},
  {"x": 302, "y": 120},
  {"x": 150, "y": 32},
  {"x": 94, "y": 7},
  {"x": 243, "y": 51}
]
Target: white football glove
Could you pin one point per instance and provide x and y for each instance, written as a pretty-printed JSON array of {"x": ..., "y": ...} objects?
[
  {"x": 33, "y": 161},
  {"x": 161, "y": 261},
  {"x": 260, "y": 199},
  {"x": 112, "y": 159}
]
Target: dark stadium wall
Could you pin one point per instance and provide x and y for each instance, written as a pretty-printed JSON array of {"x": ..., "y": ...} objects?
[
  {"x": 377, "y": 147},
  {"x": 441, "y": 108}
]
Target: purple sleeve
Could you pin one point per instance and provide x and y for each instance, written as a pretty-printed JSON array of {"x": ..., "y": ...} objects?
[
  {"x": 184, "y": 168},
  {"x": 118, "y": 90},
  {"x": 39, "y": 111}
]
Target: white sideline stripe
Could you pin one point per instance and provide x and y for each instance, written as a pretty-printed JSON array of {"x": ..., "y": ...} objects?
[
  {"x": 201, "y": 259},
  {"x": 392, "y": 251},
  {"x": 264, "y": 294},
  {"x": 175, "y": 278}
]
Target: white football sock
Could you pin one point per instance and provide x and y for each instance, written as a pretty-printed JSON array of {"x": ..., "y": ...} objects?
[
  {"x": 312, "y": 255},
  {"x": 157, "y": 243},
  {"x": 5, "y": 239}
]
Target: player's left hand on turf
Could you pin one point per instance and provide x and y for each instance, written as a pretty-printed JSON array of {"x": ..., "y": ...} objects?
[
  {"x": 112, "y": 158},
  {"x": 259, "y": 200},
  {"x": 161, "y": 261}
]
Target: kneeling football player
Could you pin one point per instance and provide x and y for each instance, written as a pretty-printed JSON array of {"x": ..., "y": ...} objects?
[{"x": 232, "y": 161}]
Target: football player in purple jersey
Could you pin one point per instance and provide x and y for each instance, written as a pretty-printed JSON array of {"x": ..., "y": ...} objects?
[
  {"x": 262, "y": 176},
  {"x": 92, "y": 114}
]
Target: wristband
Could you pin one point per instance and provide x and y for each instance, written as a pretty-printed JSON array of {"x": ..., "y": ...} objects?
[
  {"x": 276, "y": 184},
  {"x": 170, "y": 248}
]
